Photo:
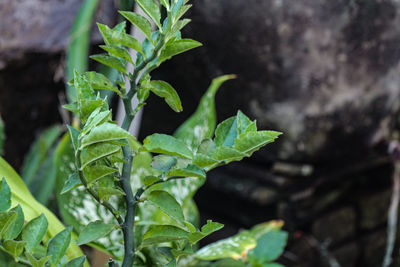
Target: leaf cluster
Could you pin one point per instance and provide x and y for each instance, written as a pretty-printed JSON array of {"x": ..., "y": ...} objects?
[{"x": 23, "y": 242}]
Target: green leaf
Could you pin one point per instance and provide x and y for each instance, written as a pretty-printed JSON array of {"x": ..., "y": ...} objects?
[
  {"x": 148, "y": 180},
  {"x": 252, "y": 141},
  {"x": 100, "y": 82},
  {"x": 94, "y": 119},
  {"x": 269, "y": 247},
  {"x": 227, "y": 154},
  {"x": 94, "y": 173},
  {"x": 167, "y": 204},
  {"x": 16, "y": 227},
  {"x": 127, "y": 40},
  {"x": 163, "y": 233},
  {"x": 226, "y": 132},
  {"x": 190, "y": 171},
  {"x": 233, "y": 247},
  {"x": 15, "y": 248},
  {"x": 94, "y": 231},
  {"x": 176, "y": 47},
  {"x": 260, "y": 229},
  {"x": 206, "y": 230},
  {"x": 106, "y": 192},
  {"x": 206, "y": 147},
  {"x": 103, "y": 133},
  {"x": 166, "y": 91},
  {"x": 34, "y": 232},
  {"x": 5, "y": 195},
  {"x": 77, "y": 262},
  {"x": 73, "y": 182},
  {"x": 140, "y": 22},
  {"x": 242, "y": 122},
  {"x": 204, "y": 161},
  {"x": 98, "y": 151},
  {"x": 32, "y": 208},
  {"x": 166, "y": 144},
  {"x": 163, "y": 162},
  {"x": 117, "y": 52},
  {"x": 110, "y": 61},
  {"x": 58, "y": 245},
  {"x": 36, "y": 263},
  {"x": 202, "y": 122},
  {"x": 230, "y": 263},
  {"x": 151, "y": 8},
  {"x": 106, "y": 33},
  {"x": 6, "y": 221}
]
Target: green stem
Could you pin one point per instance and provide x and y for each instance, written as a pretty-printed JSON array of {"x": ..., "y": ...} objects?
[{"x": 131, "y": 200}]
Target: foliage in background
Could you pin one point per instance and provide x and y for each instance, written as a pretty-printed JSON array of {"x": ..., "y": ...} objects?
[{"x": 12, "y": 186}]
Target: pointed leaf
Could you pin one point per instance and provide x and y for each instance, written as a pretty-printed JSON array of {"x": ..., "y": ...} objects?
[
  {"x": 58, "y": 245},
  {"x": 103, "y": 133},
  {"x": 151, "y": 8},
  {"x": 206, "y": 230},
  {"x": 97, "y": 151},
  {"x": 233, "y": 247},
  {"x": 94, "y": 231},
  {"x": 166, "y": 144},
  {"x": 100, "y": 82},
  {"x": 252, "y": 141},
  {"x": 166, "y": 91},
  {"x": 15, "y": 248},
  {"x": 16, "y": 227},
  {"x": 96, "y": 118},
  {"x": 163, "y": 233},
  {"x": 34, "y": 232},
  {"x": 165, "y": 3},
  {"x": 5, "y": 195},
  {"x": 110, "y": 61},
  {"x": 94, "y": 173},
  {"x": 6, "y": 221},
  {"x": 167, "y": 204},
  {"x": 73, "y": 182},
  {"x": 140, "y": 22},
  {"x": 127, "y": 40},
  {"x": 117, "y": 52},
  {"x": 176, "y": 47},
  {"x": 190, "y": 171},
  {"x": 242, "y": 122},
  {"x": 226, "y": 132},
  {"x": 74, "y": 134},
  {"x": 201, "y": 124},
  {"x": 269, "y": 247}
]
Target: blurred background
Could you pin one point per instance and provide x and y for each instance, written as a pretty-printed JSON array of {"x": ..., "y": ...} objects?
[{"x": 325, "y": 73}]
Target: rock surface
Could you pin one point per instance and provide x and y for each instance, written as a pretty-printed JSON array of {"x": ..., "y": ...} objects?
[
  {"x": 326, "y": 73},
  {"x": 41, "y": 25}
]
